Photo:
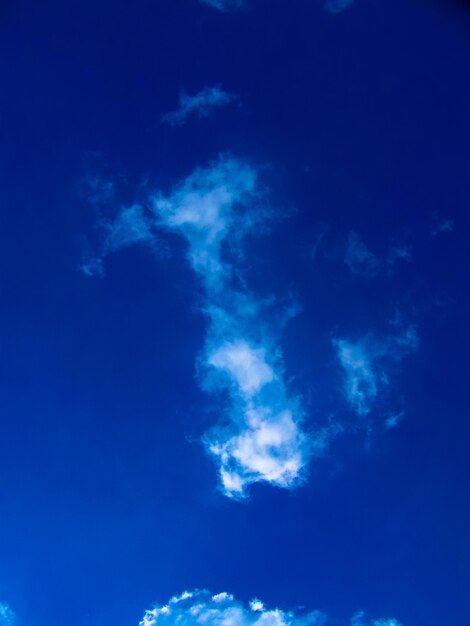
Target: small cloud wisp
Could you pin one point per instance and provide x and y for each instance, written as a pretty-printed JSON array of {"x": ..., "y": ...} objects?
[
  {"x": 364, "y": 263},
  {"x": 199, "y": 105},
  {"x": 364, "y": 362},
  {"x": 337, "y": 6}
]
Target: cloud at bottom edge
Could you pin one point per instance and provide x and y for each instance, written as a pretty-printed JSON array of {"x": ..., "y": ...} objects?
[
  {"x": 201, "y": 608},
  {"x": 7, "y": 615}
]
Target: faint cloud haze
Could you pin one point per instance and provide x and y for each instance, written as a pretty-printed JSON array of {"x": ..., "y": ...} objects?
[
  {"x": 364, "y": 362},
  {"x": 132, "y": 226},
  {"x": 7, "y": 616},
  {"x": 441, "y": 225},
  {"x": 224, "y": 5},
  {"x": 360, "y": 260},
  {"x": 336, "y": 6},
  {"x": 333, "y": 6},
  {"x": 360, "y": 620},
  {"x": 200, "y": 607},
  {"x": 199, "y": 105},
  {"x": 364, "y": 263}
]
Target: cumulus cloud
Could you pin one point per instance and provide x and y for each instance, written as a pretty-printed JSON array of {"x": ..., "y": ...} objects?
[
  {"x": 201, "y": 104},
  {"x": 365, "y": 365},
  {"x": 363, "y": 262},
  {"x": 7, "y": 616},
  {"x": 213, "y": 210},
  {"x": 199, "y": 608}
]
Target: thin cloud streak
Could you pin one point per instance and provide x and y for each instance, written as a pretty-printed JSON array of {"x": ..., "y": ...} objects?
[
  {"x": 193, "y": 608},
  {"x": 199, "y": 105}
]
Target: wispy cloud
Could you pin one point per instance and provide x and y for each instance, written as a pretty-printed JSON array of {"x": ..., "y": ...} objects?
[
  {"x": 365, "y": 365},
  {"x": 7, "y": 616},
  {"x": 441, "y": 225},
  {"x": 200, "y": 607},
  {"x": 362, "y": 262},
  {"x": 318, "y": 241},
  {"x": 199, "y": 105},
  {"x": 224, "y": 5},
  {"x": 394, "y": 419},
  {"x": 360, "y": 620},
  {"x": 361, "y": 380},
  {"x": 336, "y": 6},
  {"x": 260, "y": 436},
  {"x": 214, "y": 209},
  {"x": 131, "y": 226}
]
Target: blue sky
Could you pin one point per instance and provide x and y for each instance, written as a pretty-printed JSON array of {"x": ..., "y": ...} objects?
[{"x": 234, "y": 321}]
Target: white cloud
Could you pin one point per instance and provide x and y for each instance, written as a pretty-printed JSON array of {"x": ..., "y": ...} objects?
[
  {"x": 214, "y": 209},
  {"x": 269, "y": 447},
  {"x": 7, "y": 616},
  {"x": 365, "y": 364},
  {"x": 245, "y": 364},
  {"x": 211, "y": 204},
  {"x": 199, "y": 105},
  {"x": 199, "y": 608},
  {"x": 260, "y": 435}
]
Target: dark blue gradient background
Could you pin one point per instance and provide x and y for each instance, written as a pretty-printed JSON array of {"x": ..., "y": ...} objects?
[{"x": 360, "y": 121}]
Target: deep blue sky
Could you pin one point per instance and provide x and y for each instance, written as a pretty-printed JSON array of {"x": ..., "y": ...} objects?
[{"x": 359, "y": 121}]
